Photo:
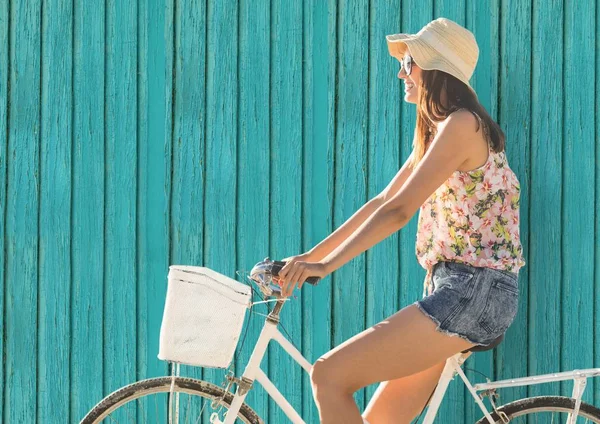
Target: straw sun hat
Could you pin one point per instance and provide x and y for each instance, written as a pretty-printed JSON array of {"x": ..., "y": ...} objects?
[{"x": 441, "y": 44}]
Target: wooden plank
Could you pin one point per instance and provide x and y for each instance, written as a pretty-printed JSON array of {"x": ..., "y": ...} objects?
[
  {"x": 454, "y": 10},
  {"x": 143, "y": 275},
  {"x": 120, "y": 352},
  {"x": 350, "y": 165},
  {"x": 546, "y": 180},
  {"x": 578, "y": 196},
  {"x": 87, "y": 366},
  {"x": 22, "y": 208},
  {"x": 482, "y": 18},
  {"x": 188, "y": 162},
  {"x": 515, "y": 120},
  {"x": 596, "y": 385},
  {"x": 286, "y": 188},
  {"x": 220, "y": 202},
  {"x": 383, "y": 276},
  {"x": 253, "y": 179},
  {"x": 317, "y": 196},
  {"x": 154, "y": 120},
  {"x": 4, "y": 102},
  {"x": 160, "y": 45},
  {"x": 55, "y": 213}
]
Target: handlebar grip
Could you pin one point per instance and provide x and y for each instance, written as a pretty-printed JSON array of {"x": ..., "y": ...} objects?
[{"x": 277, "y": 265}]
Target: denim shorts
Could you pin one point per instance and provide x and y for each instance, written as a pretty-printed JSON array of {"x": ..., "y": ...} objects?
[{"x": 475, "y": 303}]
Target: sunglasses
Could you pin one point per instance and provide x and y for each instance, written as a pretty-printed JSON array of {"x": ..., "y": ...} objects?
[{"x": 406, "y": 64}]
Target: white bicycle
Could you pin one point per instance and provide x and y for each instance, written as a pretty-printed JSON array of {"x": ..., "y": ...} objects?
[{"x": 175, "y": 399}]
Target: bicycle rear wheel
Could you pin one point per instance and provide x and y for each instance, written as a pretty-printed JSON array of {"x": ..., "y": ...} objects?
[
  {"x": 147, "y": 401},
  {"x": 544, "y": 409}
]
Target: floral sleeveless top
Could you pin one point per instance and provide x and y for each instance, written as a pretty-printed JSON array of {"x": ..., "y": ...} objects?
[{"x": 472, "y": 218}]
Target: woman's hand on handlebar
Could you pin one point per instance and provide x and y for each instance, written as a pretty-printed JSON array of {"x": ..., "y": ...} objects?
[
  {"x": 297, "y": 270},
  {"x": 306, "y": 257}
]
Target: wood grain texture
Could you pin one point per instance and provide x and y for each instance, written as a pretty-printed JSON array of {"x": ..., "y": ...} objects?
[
  {"x": 545, "y": 284},
  {"x": 285, "y": 226},
  {"x": 22, "y": 214},
  {"x": 121, "y": 137},
  {"x": 596, "y": 385},
  {"x": 4, "y": 102},
  {"x": 154, "y": 132},
  {"x": 253, "y": 191},
  {"x": 577, "y": 342},
  {"x": 55, "y": 213},
  {"x": 220, "y": 200},
  {"x": 88, "y": 236},
  {"x": 188, "y": 173}
]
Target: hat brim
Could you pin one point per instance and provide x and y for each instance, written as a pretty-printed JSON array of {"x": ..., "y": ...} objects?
[
  {"x": 398, "y": 44},
  {"x": 425, "y": 56}
]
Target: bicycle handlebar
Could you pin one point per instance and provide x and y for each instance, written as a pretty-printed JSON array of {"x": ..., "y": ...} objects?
[
  {"x": 278, "y": 265},
  {"x": 266, "y": 270}
]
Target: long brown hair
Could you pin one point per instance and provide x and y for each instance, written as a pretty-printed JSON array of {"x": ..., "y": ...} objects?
[{"x": 430, "y": 110}]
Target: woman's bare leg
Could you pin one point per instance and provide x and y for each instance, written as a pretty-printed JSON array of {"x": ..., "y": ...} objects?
[
  {"x": 402, "y": 400},
  {"x": 401, "y": 345}
]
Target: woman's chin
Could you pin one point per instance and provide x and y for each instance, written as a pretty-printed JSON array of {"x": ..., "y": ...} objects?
[{"x": 410, "y": 98}]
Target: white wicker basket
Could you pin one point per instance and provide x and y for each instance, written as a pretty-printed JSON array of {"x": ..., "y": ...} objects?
[{"x": 203, "y": 317}]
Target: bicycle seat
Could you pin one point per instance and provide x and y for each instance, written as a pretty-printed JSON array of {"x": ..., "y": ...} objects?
[{"x": 478, "y": 348}]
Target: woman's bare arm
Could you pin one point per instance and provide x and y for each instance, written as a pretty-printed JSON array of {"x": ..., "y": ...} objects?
[
  {"x": 448, "y": 151},
  {"x": 397, "y": 182},
  {"x": 336, "y": 238}
]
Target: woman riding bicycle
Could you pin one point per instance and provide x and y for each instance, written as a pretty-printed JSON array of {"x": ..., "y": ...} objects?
[{"x": 459, "y": 179}]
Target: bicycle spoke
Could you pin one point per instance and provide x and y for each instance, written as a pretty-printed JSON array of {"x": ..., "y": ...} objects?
[
  {"x": 116, "y": 408},
  {"x": 129, "y": 415},
  {"x": 157, "y": 414},
  {"x": 186, "y": 416},
  {"x": 206, "y": 401},
  {"x": 192, "y": 410},
  {"x": 142, "y": 408}
]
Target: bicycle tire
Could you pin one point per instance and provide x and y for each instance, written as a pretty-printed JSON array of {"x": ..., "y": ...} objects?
[
  {"x": 150, "y": 386},
  {"x": 543, "y": 404}
]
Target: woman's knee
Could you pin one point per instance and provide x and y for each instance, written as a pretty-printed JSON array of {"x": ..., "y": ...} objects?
[
  {"x": 320, "y": 373},
  {"x": 325, "y": 374}
]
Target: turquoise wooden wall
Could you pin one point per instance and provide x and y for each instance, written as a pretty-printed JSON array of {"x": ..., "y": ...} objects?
[{"x": 215, "y": 133}]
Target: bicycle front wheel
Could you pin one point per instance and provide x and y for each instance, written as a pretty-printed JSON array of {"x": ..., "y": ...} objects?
[
  {"x": 166, "y": 400},
  {"x": 544, "y": 409}
]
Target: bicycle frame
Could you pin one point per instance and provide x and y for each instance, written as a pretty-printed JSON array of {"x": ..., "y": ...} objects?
[
  {"x": 253, "y": 373},
  {"x": 453, "y": 366}
]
